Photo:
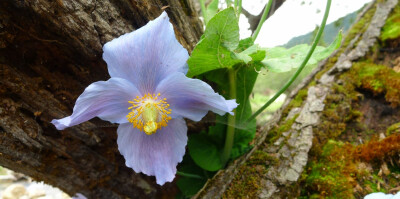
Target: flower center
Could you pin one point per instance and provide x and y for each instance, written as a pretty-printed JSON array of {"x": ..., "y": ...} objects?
[{"x": 149, "y": 113}]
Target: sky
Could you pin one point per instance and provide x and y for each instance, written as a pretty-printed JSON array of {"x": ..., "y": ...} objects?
[{"x": 294, "y": 18}]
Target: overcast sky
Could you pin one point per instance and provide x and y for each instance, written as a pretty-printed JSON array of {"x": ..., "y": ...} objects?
[{"x": 294, "y": 18}]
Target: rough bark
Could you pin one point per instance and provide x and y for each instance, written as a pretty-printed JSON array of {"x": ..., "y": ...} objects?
[
  {"x": 277, "y": 174},
  {"x": 49, "y": 52}
]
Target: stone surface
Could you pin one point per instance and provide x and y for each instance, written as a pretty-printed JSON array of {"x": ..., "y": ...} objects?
[
  {"x": 14, "y": 191},
  {"x": 23, "y": 187}
]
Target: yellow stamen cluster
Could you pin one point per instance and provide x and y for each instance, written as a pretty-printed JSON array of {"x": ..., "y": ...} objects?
[{"x": 148, "y": 113}]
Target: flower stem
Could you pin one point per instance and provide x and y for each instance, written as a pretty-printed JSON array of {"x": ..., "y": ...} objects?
[
  {"x": 228, "y": 3},
  {"x": 239, "y": 8},
  {"x": 189, "y": 175},
  {"x": 203, "y": 8},
  {"x": 230, "y": 132},
  {"x": 303, "y": 64},
  {"x": 262, "y": 20}
]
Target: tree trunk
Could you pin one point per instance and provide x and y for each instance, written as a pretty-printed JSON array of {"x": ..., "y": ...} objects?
[
  {"x": 319, "y": 145},
  {"x": 49, "y": 52}
]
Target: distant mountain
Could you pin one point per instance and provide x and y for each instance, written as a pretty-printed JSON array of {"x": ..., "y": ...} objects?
[{"x": 330, "y": 32}]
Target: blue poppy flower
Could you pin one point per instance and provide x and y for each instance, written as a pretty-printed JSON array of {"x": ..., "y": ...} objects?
[{"x": 148, "y": 94}]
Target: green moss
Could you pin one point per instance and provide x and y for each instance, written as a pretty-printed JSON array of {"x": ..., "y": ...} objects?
[
  {"x": 331, "y": 175},
  {"x": 361, "y": 26},
  {"x": 373, "y": 184},
  {"x": 276, "y": 132},
  {"x": 246, "y": 183},
  {"x": 392, "y": 129},
  {"x": 378, "y": 79},
  {"x": 334, "y": 170},
  {"x": 331, "y": 169},
  {"x": 338, "y": 112},
  {"x": 331, "y": 61},
  {"x": 391, "y": 29},
  {"x": 298, "y": 100}
]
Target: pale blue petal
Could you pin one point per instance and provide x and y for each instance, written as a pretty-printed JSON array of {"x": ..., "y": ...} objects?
[
  {"x": 79, "y": 196},
  {"x": 147, "y": 55},
  {"x": 380, "y": 195},
  {"x": 105, "y": 99},
  {"x": 192, "y": 98},
  {"x": 157, "y": 154}
]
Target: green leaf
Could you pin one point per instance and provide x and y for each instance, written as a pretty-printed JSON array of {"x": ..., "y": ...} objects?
[
  {"x": 190, "y": 186},
  {"x": 245, "y": 55},
  {"x": 258, "y": 57},
  {"x": 246, "y": 76},
  {"x": 218, "y": 131},
  {"x": 205, "y": 149},
  {"x": 248, "y": 51},
  {"x": 243, "y": 134},
  {"x": 279, "y": 59},
  {"x": 244, "y": 44},
  {"x": 214, "y": 50},
  {"x": 204, "y": 152},
  {"x": 212, "y": 9}
]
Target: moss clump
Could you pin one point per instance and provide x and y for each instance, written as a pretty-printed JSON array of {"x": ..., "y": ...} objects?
[
  {"x": 391, "y": 29},
  {"x": 378, "y": 149},
  {"x": 331, "y": 176},
  {"x": 339, "y": 111},
  {"x": 378, "y": 79},
  {"x": 337, "y": 171},
  {"x": 246, "y": 183},
  {"x": 361, "y": 26},
  {"x": 298, "y": 100},
  {"x": 342, "y": 170},
  {"x": 332, "y": 171},
  {"x": 276, "y": 132},
  {"x": 393, "y": 128}
]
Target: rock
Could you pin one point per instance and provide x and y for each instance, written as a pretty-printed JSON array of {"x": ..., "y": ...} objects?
[
  {"x": 40, "y": 190},
  {"x": 7, "y": 179},
  {"x": 36, "y": 193},
  {"x": 15, "y": 191}
]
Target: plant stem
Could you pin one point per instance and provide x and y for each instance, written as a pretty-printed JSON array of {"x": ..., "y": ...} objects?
[
  {"x": 203, "y": 9},
  {"x": 262, "y": 20},
  {"x": 189, "y": 175},
  {"x": 239, "y": 8},
  {"x": 303, "y": 64},
  {"x": 230, "y": 132},
  {"x": 228, "y": 3}
]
